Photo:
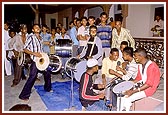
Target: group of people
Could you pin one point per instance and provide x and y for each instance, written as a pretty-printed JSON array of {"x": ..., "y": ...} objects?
[{"x": 109, "y": 52}]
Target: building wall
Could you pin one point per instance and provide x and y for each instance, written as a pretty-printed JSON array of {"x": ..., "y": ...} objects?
[
  {"x": 48, "y": 18},
  {"x": 140, "y": 18},
  {"x": 65, "y": 14}
]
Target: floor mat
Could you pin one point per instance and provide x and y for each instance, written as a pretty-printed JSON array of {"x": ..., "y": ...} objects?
[{"x": 60, "y": 99}]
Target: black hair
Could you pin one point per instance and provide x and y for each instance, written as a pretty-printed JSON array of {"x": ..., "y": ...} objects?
[
  {"x": 44, "y": 25},
  {"x": 91, "y": 17},
  {"x": 124, "y": 43},
  {"x": 114, "y": 50},
  {"x": 129, "y": 51},
  {"x": 93, "y": 26},
  {"x": 71, "y": 22},
  {"x": 141, "y": 51},
  {"x": 11, "y": 30},
  {"x": 84, "y": 18},
  {"x": 103, "y": 13},
  {"x": 35, "y": 25},
  {"x": 20, "y": 107}
]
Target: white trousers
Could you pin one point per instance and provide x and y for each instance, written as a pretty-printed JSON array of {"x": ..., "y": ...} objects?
[
  {"x": 7, "y": 65},
  {"x": 127, "y": 101},
  {"x": 106, "y": 51}
]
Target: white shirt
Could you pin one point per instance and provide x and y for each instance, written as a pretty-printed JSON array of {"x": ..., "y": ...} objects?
[
  {"x": 124, "y": 36},
  {"x": 132, "y": 70},
  {"x": 9, "y": 46},
  {"x": 6, "y": 36},
  {"x": 159, "y": 23},
  {"x": 18, "y": 45},
  {"x": 82, "y": 31}
]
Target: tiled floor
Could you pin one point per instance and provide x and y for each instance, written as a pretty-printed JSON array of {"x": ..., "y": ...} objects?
[{"x": 10, "y": 97}]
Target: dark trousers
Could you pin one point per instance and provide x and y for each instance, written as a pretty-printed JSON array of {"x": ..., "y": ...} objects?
[
  {"x": 26, "y": 91},
  {"x": 18, "y": 74}
]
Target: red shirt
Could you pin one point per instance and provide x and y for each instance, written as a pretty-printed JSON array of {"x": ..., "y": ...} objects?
[{"x": 150, "y": 76}]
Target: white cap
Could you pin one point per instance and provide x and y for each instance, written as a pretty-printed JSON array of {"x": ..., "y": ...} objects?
[{"x": 92, "y": 62}]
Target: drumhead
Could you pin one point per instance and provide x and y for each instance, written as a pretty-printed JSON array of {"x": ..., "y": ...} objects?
[
  {"x": 42, "y": 62},
  {"x": 55, "y": 63},
  {"x": 77, "y": 66},
  {"x": 80, "y": 69},
  {"x": 123, "y": 86}
]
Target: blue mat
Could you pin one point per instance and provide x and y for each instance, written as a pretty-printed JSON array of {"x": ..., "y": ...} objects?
[{"x": 60, "y": 99}]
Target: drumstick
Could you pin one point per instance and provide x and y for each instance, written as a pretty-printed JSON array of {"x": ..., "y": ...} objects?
[
  {"x": 92, "y": 47},
  {"x": 112, "y": 80}
]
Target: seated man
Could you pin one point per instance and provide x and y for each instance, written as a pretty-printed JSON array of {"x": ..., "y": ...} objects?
[
  {"x": 130, "y": 72},
  {"x": 148, "y": 74},
  {"x": 110, "y": 63},
  {"x": 90, "y": 100}
]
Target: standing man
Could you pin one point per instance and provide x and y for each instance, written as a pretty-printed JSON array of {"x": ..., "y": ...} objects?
[
  {"x": 104, "y": 32},
  {"x": 33, "y": 46},
  {"x": 88, "y": 99},
  {"x": 20, "y": 40},
  {"x": 81, "y": 35},
  {"x": 8, "y": 69},
  {"x": 73, "y": 35},
  {"x": 120, "y": 34},
  {"x": 148, "y": 75},
  {"x": 94, "y": 47}
]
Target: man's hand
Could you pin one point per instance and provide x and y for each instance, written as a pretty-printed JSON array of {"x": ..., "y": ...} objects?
[
  {"x": 37, "y": 54},
  {"x": 129, "y": 92},
  {"x": 8, "y": 58},
  {"x": 101, "y": 96},
  {"x": 118, "y": 68},
  {"x": 111, "y": 71},
  {"x": 101, "y": 86}
]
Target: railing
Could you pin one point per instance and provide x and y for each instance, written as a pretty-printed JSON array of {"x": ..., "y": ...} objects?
[{"x": 154, "y": 47}]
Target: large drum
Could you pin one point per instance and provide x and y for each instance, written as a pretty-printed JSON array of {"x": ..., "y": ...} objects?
[
  {"x": 63, "y": 47},
  {"x": 77, "y": 66},
  {"x": 55, "y": 63}
]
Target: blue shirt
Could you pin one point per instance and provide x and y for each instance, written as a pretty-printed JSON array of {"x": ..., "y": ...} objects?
[
  {"x": 73, "y": 36},
  {"x": 46, "y": 37},
  {"x": 105, "y": 34}
]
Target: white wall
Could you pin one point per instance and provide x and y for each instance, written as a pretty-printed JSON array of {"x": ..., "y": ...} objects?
[
  {"x": 48, "y": 18},
  {"x": 140, "y": 19}
]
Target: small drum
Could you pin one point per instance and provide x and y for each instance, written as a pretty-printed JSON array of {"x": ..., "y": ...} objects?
[
  {"x": 23, "y": 59},
  {"x": 123, "y": 86},
  {"x": 77, "y": 66},
  {"x": 52, "y": 63},
  {"x": 63, "y": 47},
  {"x": 55, "y": 63}
]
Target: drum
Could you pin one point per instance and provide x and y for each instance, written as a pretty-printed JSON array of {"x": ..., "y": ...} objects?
[
  {"x": 77, "y": 66},
  {"x": 23, "y": 59},
  {"x": 63, "y": 47},
  {"x": 123, "y": 86},
  {"x": 52, "y": 63},
  {"x": 55, "y": 63}
]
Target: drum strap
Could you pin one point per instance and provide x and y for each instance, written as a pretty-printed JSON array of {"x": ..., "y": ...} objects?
[{"x": 92, "y": 47}]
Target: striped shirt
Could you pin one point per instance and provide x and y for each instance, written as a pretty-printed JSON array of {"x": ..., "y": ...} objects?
[
  {"x": 33, "y": 44},
  {"x": 105, "y": 33}
]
